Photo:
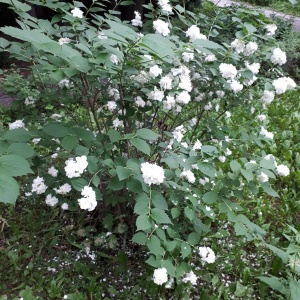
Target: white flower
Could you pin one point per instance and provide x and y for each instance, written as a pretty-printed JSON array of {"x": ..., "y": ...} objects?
[
  {"x": 165, "y": 83},
  {"x": 16, "y": 124},
  {"x": 74, "y": 168},
  {"x": 235, "y": 86},
  {"x": 65, "y": 206},
  {"x": 185, "y": 83},
  {"x": 194, "y": 33},
  {"x": 165, "y": 6},
  {"x": 88, "y": 201},
  {"x": 189, "y": 175},
  {"x": 262, "y": 177},
  {"x": 190, "y": 277},
  {"x": 52, "y": 171},
  {"x": 207, "y": 254},
  {"x": 261, "y": 117},
  {"x": 204, "y": 181},
  {"x": 169, "y": 103},
  {"x": 160, "y": 276},
  {"x": 222, "y": 158},
  {"x": 267, "y": 97},
  {"x": 278, "y": 57},
  {"x": 156, "y": 95},
  {"x": 254, "y": 68},
  {"x": 208, "y": 106},
  {"x": 252, "y": 110},
  {"x": 227, "y": 114},
  {"x": 178, "y": 133},
  {"x": 139, "y": 101},
  {"x": 271, "y": 28},
  {"x": 64, "y": 83},
  {"x": 111, "y": 105},
  {"x": 227, "y": 70},
  {"x": 152, "y": 173},
  {"x": 64, "y": 189},
  {"x": 35, "y": 141},
  {"x": 117, "y": 123},
  {"x": 283, "y": 84},
  {"x": 197, "y": 145},
  {"x": 51, "y": 200},
  {"x": 161, "y": 27},
  {"x": 114, "y": 59},
  {"x": 142, "y": 77},
  {"x": 62, "y": 41},
  {"x": 220, "y": 94},
  {"x": 137, "y": 21},
  {"x": 187, "y": 56},
  {"x": 250, "y": 48},
  {"x": 282, "y": 170},
  {"x": 228, "y": 151},
  {"x": 114, "y": 93},
  {"x": 29, "y": 100},
  {"x": 210, "y": 58},
  {"x": 238, "y": 45},
  {"x": 38, "y": 186},
  {"x": 183, "y": 98},
  {"x": 266, "y": 133},
  {"x": 155, "y": 71},
  {"x": 76, "y": 12},
  {"x": 102, "y": 36}
]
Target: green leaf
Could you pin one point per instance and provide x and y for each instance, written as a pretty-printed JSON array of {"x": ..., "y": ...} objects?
[
  {"x": 267, "y": 164},
  {"x": 240, "y": 229},
  {"x": 194, "y": 238},
  {"x": 115, "y": 184},
  {"x": 207, "y": 169},
  {"x": 56, "y": 130},
  {"x": 70, "y": 142},
  {"x": 141, "y": 145},
  {"x": 210, "y": 197},
  {"x": 154, "y": 245},
  {"x": 78, "y": 183},
  {"x": 83, "y": 134},
  {"x": 185, "y": 249},
  {"x": 169, "y": 267},
  {"x": 175, "y": 212},
  {"x": 21, "y": 149},
  {"x": 17, "y": 135},
  {"x": 274, "y": 283},
  {"x": 114, "y": 135},
  {"x": 159, "y": 216},
  {"x": 206, "y": 44},
  {"x": 210, "y": 150},
  {"x": 13, "y": 165},
  {"x": 240, "y": 290},
  {"x": 123, "y": 173},
  {"x": 9, "y": 189},
  {"x": 146, "y": 134},
  {"x": 143, "y": 223},
  {"x": 250, "y": 28},
  {"x": 266, "y": 187},
  {"x": 235, "y": 166},
  {"x": 280, "y": 253},
  {"x": 159, "y": 201},
  {"x": 248, "y": 176},
  {"x": 142, "y": 204},
  {"x": 295, "y": 289},
  {"x": 189, "y": 213},
  {"x": 140, "y": 238}
]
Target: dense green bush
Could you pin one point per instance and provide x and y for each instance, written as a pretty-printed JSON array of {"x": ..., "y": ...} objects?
[{"x": 128, "y": 126}]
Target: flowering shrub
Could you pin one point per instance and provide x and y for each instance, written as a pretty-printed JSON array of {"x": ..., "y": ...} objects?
[{"x": 137, "y": 116}]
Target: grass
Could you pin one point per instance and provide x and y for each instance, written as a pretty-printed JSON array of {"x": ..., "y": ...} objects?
[{"x": 280, "y": 6}]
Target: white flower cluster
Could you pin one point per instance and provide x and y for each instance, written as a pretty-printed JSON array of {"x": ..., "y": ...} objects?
[
  {"x": 194, "y": 33},
  {"x": 228, "y": 71},
  {"x": 64, "y": 83},
  {"x": 189, "y": 175},
  {"x": 16, "y": 124},
  {"x": 51, "y": 200},
  {"x": 74, "y": 168},
  {"x": 271, "y": 28},
  {"x": 137, "y": 21},
  {"x": 38, "y": 185},
  {"x": 52, "y": 171},
  {"x": 240, "y": 47},
  {"x": 161, "y": 27},
  {"x": 152, "y": 173},
  {"x": 76, "y": 12},
  {"x": 262, "y": 177},
  {"x": 207, "y": 254},
  {"x": 62, "y": 41},
  {"x": 88, "y": 201},
  {"x": 165, "y": 6},
  {"x": 64, "y": 189},
  {"x": 264, "y": 132},
  {"x": 283, "y": 84},
  {"x": 282, "y": 170},
  {"x": 278, "y": 57},
  {"x": 29, "y": 100},
  {"x": 267, "y": 97},
  {"x": 160, "y": 276},
  {"x": 190, "y": 277}
]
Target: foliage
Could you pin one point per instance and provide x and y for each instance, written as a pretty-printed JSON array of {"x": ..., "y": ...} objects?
[{"x": 132, "y": 121}]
